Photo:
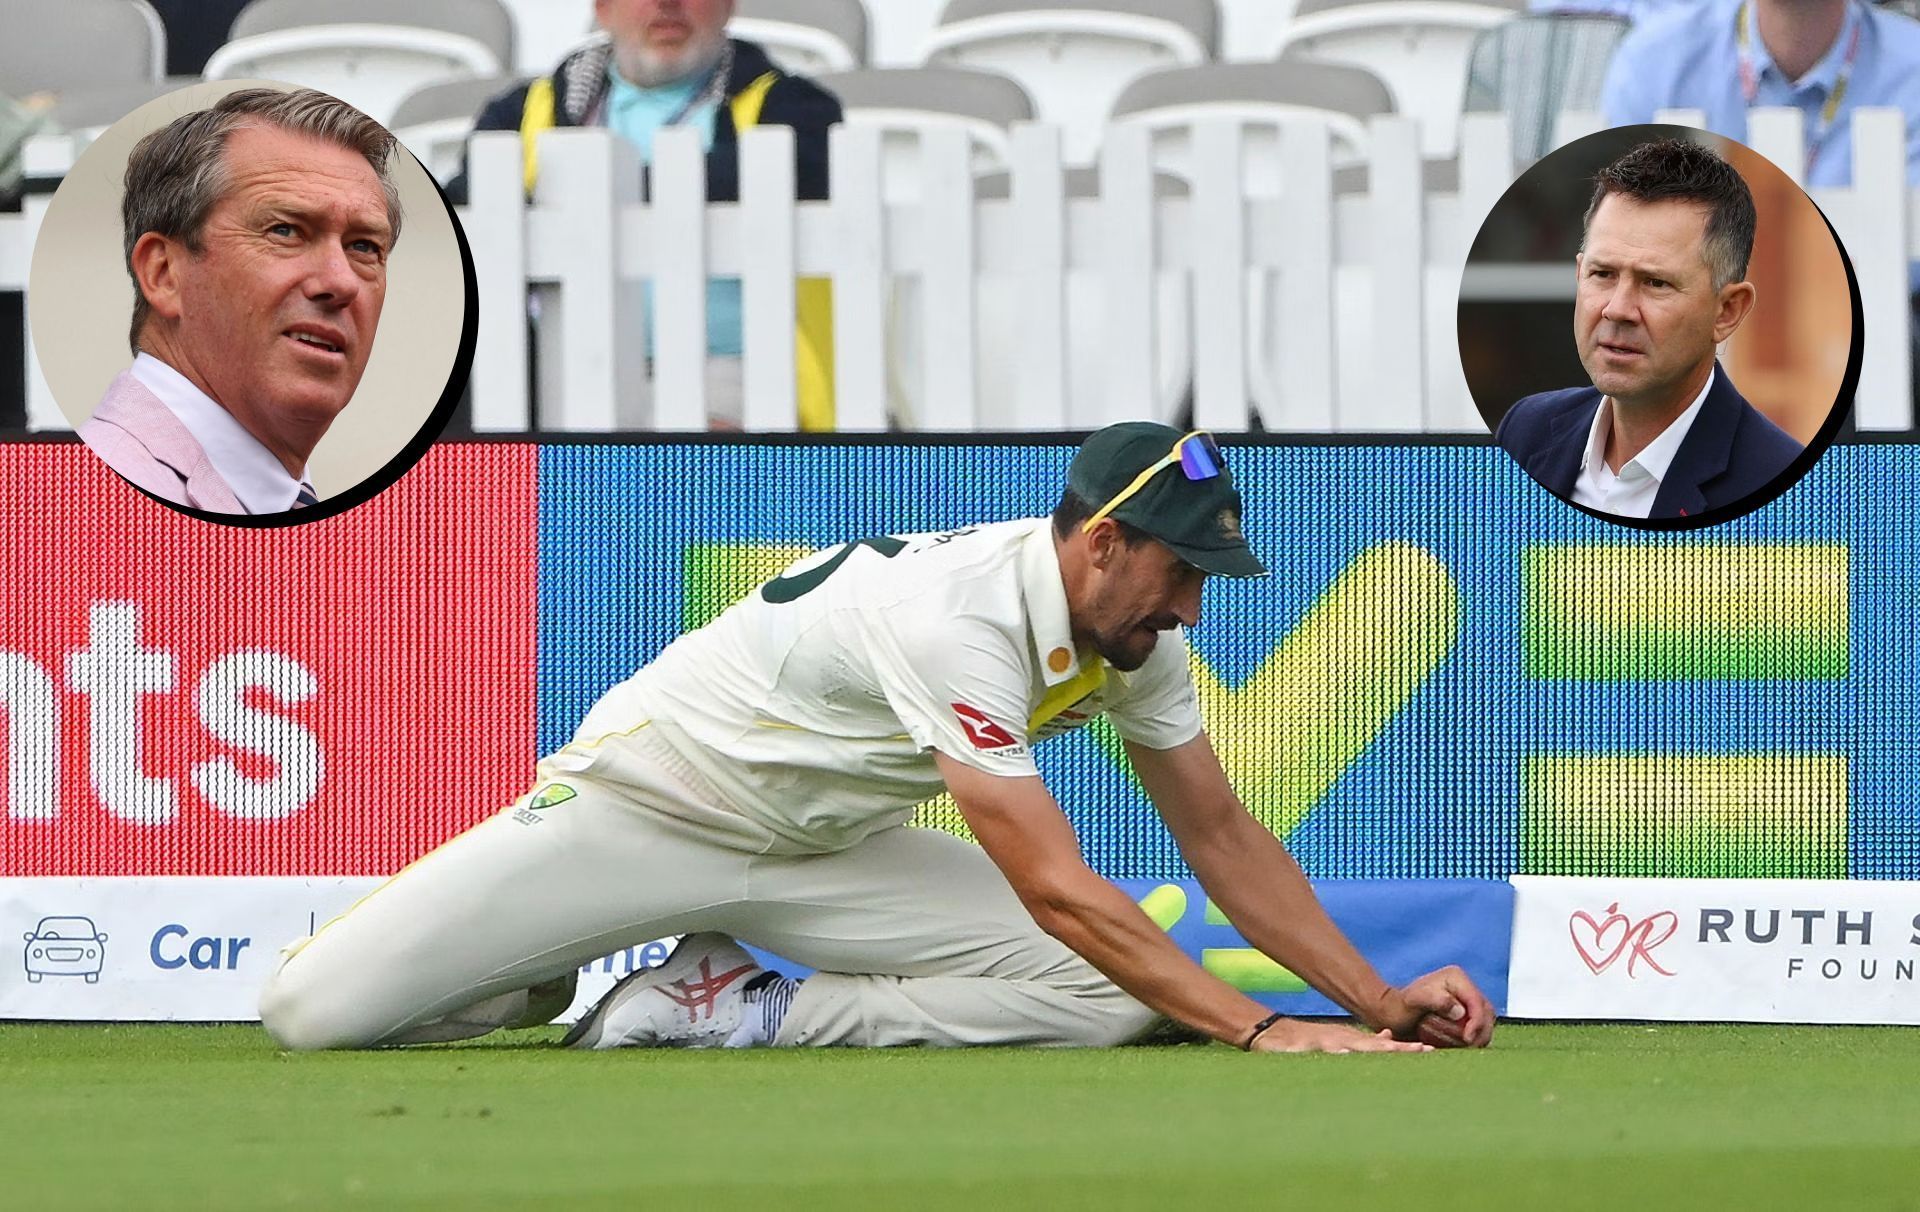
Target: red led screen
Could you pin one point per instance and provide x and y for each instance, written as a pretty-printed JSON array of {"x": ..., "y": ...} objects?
[{"x": 179, "y": 697}]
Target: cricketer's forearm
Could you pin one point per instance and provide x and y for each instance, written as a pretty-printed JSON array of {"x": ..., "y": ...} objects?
[
  {"x": 1258, "y": 885},
  {"x": 1104, "y": 926}
]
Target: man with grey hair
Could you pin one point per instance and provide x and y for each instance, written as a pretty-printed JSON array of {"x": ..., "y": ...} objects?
[
  {"x": 1661, "y": 433},
  {"x": 256, "y": 233},
  {"x": 664, "y": 63}
]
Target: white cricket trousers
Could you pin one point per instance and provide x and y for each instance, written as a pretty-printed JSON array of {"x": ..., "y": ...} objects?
[{"x": 916, "y": 936}]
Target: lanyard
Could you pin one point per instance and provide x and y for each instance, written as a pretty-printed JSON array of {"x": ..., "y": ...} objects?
[
  {"x": 714, "y": 88},
  {"x": 1750, "y": 77}
]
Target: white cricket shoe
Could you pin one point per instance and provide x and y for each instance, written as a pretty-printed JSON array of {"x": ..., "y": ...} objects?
[{"x": 697, "y": 999}]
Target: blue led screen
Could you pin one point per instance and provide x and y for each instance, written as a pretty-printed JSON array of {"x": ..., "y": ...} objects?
[{"x": 1450, "y": 673}]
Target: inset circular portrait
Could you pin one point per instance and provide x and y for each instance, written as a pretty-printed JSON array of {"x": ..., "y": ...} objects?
[
  {"x": 1660, "y": 327},
  {"x": 252, "y": 303}
]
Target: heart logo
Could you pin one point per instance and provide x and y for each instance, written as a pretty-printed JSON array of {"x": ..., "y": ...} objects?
[
  {"x": 1600, "y": 956},
  {"x": 1598, "y": 947}
]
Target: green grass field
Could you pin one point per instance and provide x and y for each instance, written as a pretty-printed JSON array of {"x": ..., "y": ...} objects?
[{"x": 1552, "y": 1117}]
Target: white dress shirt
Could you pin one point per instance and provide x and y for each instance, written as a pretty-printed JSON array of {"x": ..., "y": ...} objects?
[
  {"x": 250, "y": 469},
  {"x": 1630, "y": 492}
]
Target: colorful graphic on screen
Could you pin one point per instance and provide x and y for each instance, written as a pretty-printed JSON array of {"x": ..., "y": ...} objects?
[{"x": 1449, "y": 674}]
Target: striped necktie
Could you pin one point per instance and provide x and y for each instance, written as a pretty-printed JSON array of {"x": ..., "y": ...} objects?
[{"x": 305, "y": 498}]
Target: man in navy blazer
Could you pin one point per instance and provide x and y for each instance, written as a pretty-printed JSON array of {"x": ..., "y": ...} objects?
[{"x": 1662, "y": 433}]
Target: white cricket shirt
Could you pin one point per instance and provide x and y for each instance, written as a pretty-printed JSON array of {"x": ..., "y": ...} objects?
[
  {"x": 1630, "y": 494},
  {"x": 814, "y": 705}
]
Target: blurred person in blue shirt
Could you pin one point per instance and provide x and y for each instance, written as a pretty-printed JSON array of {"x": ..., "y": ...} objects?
[{"x": 1825, "y": 58}]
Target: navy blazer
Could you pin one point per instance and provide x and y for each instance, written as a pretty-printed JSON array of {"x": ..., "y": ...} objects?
[{"x": 1731, "y": 452}]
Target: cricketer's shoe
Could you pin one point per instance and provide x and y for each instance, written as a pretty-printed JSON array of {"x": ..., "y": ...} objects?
[
  {"x": 547, "y": 1001},
  {"x": 697, "y": 999}
]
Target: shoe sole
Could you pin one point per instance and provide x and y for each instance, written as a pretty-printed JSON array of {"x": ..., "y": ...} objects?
[
  {"x": 666, "y": 971},
  {"x": 591, "y": 1019}
]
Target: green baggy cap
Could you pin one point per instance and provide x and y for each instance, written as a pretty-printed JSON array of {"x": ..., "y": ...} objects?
[{"x": 1199, "y": 519}]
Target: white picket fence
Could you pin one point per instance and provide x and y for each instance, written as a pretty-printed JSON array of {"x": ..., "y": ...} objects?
[{"x": 1254, "y": 280}]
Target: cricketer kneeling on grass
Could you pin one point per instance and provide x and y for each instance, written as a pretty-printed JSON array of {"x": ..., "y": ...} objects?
[{"x": 755, "y": 781}]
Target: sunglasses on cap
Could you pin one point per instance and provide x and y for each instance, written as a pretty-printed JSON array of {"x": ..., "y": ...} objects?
[{"x": 1198, "y": 456}]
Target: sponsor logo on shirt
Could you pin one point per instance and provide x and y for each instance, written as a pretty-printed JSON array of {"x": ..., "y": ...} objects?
[{"x": 983, "y": 732}]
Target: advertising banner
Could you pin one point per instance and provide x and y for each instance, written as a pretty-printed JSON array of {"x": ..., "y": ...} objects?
[
  {"x": 1774, "y": 951},
  {"x": 187, "y": 698},
  {"x": 168, "y": 948},
  {"x": 192, "y": 949},
  {"x": 1449, "y": 674},
  {"x": 1449, "y": 677},
  {"x": 1407, "y": 928}
]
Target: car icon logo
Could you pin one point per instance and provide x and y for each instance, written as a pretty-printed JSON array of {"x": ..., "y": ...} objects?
[{"x": 65, "y": 946}]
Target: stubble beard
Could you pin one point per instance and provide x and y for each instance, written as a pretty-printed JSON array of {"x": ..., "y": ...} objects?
[
  {"x": 1121, "y": 656},
  {"x": 646, "y": 67}
]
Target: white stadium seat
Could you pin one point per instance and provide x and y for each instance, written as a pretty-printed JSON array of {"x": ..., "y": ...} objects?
[
  {"x": 1419, "y": 47},
  {"x": 1074, "y": 58},
  {"x": 85, "y": 113},
  {"x": 905, "y": 103},
  {"x": 371, "y": 53},
  {"x": 434, "y": 122},
  {"x": 807, "y": 37},
  {"x": 545, "y": 30},
  {"x": 1089, "y": 333},
  {"x": 1535, "y": 68},
  {"x": 1261, "y": 99},
  {"x": 1250, "y": 29},
  {"x": 53, "y": 47},
  {"x": 899, "y": 30}
]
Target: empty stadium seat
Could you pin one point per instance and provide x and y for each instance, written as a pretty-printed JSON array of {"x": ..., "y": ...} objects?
[
  {"x": 1419, "y": 47},
  {"x": 86, "y": 112},
  {"x": 371, "y": 53},
  {"x": 898, "y": 29},
  {"x": 998, "y": 316},
  {"x": 77, "y": 44},
  {"x": 1251, "y": 29},
  {"x": 545, "y": 30},
  {"x": 1535, "y": 68},
  {"x": 807, "y": 37},
  {"x": 1261, "y": 99},
  {"x": 434, "y": 122},
  {"x": 1074, "y": 56},
  {"x": 906, "y": 102}
]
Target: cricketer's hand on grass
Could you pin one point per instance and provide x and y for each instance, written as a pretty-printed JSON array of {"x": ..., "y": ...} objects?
[
  {"x": 1451, "y": 1012},
  {"x": 1292, "y": 1035},
  {"x": 1247, "y": 872}
]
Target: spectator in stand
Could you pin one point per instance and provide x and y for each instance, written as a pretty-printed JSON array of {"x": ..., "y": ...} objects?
[
  {"x": 660, "y": 63},
  {"x": 1825, "y": 58}
]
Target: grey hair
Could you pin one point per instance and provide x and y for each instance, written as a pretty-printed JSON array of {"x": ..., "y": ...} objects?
[
  {"x": 177, "y": 174},
  {"x": 1679, "y": 170}
]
